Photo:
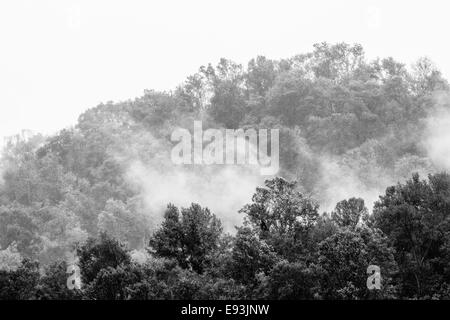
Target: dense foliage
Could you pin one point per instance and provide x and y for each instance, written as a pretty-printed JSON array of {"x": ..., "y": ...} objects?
[
  {"x": 72, "y": 191},
  {"x": 189, "y": 257}
]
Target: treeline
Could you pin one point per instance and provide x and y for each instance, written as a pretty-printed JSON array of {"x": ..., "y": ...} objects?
[
  {"x": 331, "y": 103},
  {"x": 284, "y": 250}
]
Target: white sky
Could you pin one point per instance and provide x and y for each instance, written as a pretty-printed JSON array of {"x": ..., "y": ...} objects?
[{"x": 60, "y": 57}]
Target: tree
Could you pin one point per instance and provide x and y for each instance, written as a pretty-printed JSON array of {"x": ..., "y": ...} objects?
[
  {"x": 289, "y": 281},
  {"x": 343, "y": 259},
  {"x": 336, "y": 62},
  {"x": 427, "y": 78},
  {"x": 111, "y": 283},
  {"x": 53, "y": 284},
  {"x": 250, "y": 255},
  {"x": 282, "y": 216},
  {"x": 157, "y": 278},
  {"x": 10, "y": 258},
  {"x": 154, "y": 109},
  {"x": 414, "y": 216},
  {"x": 349, "y": 212},
  {"x": 17, "y": 226},
  {"x": 19, "y": 284},
  {"x": 168, "y": 240},
  {"x": 191, "y": 238},
  {"x": 101, "y": 253},
  {"x": 289, "y": 99},
  {"x": 227, "y": 103}
]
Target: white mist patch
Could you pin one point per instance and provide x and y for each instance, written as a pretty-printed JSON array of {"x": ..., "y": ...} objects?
[
  {"x": 223, "y": 189},
  {"x": 437, "y": 141},
  {"x": 340, "y": 182}
]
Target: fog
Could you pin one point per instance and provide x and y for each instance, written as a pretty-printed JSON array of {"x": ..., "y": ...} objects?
[{"x": 225, "y": 189}]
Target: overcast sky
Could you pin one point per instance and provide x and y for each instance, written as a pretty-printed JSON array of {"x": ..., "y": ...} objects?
[{"x": 58, "y": 58}]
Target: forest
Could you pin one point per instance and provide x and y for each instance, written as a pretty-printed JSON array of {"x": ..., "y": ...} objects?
[{"x": 362, "y": 181}]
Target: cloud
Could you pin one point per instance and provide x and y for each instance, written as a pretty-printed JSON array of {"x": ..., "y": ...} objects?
[
  {"x": 224, "y": 189},
  {"x": 437, "y": 133}
]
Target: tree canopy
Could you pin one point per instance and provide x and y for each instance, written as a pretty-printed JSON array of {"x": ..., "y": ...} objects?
[{"x": 345, "y": 122}]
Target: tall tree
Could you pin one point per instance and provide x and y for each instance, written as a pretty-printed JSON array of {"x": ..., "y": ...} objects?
[
  {"x": 282, "y": 216},
  {"x": 191, "y": 238}
]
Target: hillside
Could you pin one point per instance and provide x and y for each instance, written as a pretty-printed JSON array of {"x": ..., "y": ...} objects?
[{"x": 349, "y": 129}]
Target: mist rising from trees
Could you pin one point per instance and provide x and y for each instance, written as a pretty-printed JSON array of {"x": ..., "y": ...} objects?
[{"x": 349, "y": 129}]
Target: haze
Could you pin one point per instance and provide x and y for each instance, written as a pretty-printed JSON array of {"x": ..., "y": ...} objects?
[{"x": 59, "y": 58}]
